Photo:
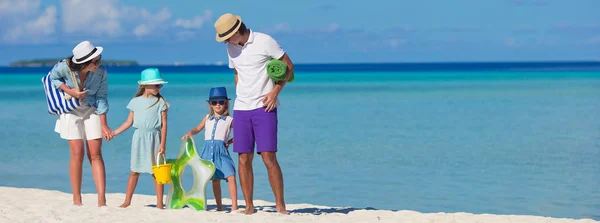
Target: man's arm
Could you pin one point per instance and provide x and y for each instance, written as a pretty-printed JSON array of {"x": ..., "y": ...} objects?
[
  {"x": 235, "y": 77},
  {"x": 290, "y": 70}
]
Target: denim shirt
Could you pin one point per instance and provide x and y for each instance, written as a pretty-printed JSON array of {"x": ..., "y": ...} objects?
[{"x": 96, "y": 83}]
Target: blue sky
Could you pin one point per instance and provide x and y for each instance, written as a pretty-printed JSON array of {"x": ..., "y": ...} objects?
[{"x": 311, "y": 31}]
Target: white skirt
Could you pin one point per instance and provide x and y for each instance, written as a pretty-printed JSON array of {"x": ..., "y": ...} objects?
[{"x": 82, "y": 123}]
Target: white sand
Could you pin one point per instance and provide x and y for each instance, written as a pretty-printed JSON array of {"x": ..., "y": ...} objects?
[{"x": 35, "y": 205}]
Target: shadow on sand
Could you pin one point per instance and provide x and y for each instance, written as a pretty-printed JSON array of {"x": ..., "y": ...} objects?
[{"x": 271, "y": 209}]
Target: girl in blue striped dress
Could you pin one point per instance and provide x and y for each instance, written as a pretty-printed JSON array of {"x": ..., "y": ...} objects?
[{"x": 218, "y": 126}]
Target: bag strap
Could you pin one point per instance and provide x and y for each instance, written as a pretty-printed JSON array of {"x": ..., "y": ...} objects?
[{"x": 68, "y": 96}]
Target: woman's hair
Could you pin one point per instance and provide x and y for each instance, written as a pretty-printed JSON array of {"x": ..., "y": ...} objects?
[
  {"x": 76, "y": 67},
  {"x": 212, "y": 111},
  {"x": 141, "y": 91}
]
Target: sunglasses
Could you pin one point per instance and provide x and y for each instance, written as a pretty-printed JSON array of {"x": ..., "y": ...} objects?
[
  {"x": 97, "y": 62},
  {"x": 217, "y": 102}
]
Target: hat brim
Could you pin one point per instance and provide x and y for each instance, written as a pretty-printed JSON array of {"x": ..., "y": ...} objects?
[
  {"x": 218, "y": 99},
  {"x": 221, "y": 39},
  {"x": 152, "y": 82},
  {"x": 99, "y": 50}
]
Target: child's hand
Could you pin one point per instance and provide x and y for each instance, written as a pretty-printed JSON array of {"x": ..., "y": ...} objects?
[
  {"x": 186, "y": 136},
  {"x": 161, "y": 150}
]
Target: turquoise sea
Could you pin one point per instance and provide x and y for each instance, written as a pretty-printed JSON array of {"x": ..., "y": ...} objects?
[{"x": 497, "y": 142}]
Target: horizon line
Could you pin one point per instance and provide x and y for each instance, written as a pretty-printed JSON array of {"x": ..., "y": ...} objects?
[{"x": 217, "y": 64}]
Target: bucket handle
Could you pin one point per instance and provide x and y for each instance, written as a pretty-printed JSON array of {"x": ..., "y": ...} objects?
[{"x": 158, "y": 159}]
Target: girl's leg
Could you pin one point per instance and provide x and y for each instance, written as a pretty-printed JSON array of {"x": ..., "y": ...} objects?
[
  {"x": 160, "y": 190},
  {"x": 133, "y": 179},
  {"x": 75, "y": 167},
  {"x": 233, "y": 192},
  {"x": 94, "y": 153},
  {"x": 217, "y": 191}
]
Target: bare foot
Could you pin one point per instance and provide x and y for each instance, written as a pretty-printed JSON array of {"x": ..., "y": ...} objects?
[
  {"x": 248, "y": 211},
  {"x": 234, "y": 207},
  {"x": 102, "y": 205},
  {"x": 282, "y": 211},
  {"x": 160, "y": 206},
  {"x": 77, "y": 201},
  {"x": 124, "y": 205}
]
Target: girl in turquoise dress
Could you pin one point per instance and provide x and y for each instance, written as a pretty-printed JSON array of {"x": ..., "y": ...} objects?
[
  {"x": 218, "y": 126},
  {"x": 148, "y": 115}
]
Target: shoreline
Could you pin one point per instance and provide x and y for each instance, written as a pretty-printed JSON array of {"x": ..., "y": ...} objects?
[{"x": 37, "y": 205}]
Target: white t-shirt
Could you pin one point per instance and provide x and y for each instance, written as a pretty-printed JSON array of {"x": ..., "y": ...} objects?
[{"x": 251, "y": 61}]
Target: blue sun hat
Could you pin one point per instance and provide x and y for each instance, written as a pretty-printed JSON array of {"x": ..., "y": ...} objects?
[
  {"x": 151, "y": 76},
  {"x": 218, "y": 94}
]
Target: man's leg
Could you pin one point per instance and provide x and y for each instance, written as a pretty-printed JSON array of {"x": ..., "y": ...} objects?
[
  {"x": 247, "y": 180},
  {"x": 265, "y": 126},
  {"x": 275, "y": 179},
  {"x": 244, "y": 146}
]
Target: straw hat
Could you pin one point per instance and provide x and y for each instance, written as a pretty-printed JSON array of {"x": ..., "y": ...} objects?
[
  {"x": 227, "y": 25},
  {"x": 85, "y": 52}
]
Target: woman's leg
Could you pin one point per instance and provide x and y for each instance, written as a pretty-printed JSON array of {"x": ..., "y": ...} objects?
[
  {"x": 131, "y": 184},
  {"x": 160, "y": 190},
  {"x": 94, "y": 153},
  {"x": 75, "y": 167},
  {"x": 217, "y": 191},
  {"x": 232, "y": 191}
]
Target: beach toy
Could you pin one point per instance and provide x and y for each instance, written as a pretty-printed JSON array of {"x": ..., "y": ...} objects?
[
  {"x": 276, "y": 69},
  {"x": 202, "y": 171},
  {"x": 162, "y": 172}
]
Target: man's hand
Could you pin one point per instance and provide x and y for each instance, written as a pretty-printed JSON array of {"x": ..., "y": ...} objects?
[{"x": 270, "y": 101}]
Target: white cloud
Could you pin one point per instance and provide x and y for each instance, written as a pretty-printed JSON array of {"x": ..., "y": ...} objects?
[
  {"x": 397, "y": 42},
  {"x": 510, "y": 41},
  {"x": 142, "y": 30},
  {"x": 24, "y": 25},
  {"x": 26, "y": 21},
  {"x": 110, "y": 18},
  {"x": 20, "y": 7},
  {"x": 196, "y": 23},
  {"x": 333, "y": 27},
  {"x": 282, "y": 27}
]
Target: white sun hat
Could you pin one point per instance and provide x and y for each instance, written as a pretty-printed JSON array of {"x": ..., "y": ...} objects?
[{"x": 85, "y": 52}]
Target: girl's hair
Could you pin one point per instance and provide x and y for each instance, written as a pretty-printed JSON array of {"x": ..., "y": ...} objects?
[
  {"x": 212, "y": 111},
  {"x": 76, "y": 67},
  {"x": 141, "y": 91}
]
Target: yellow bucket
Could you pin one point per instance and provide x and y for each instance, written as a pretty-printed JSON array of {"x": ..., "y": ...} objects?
[{"x": 162, "y": 172}]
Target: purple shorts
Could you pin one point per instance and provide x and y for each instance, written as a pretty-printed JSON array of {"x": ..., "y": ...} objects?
[{"x": 255, "y": 126}]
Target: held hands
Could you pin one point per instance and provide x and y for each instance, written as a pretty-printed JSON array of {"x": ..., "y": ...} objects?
[
  {"x": 107, "y": 133},
  {"x": 270, "y": 101}
]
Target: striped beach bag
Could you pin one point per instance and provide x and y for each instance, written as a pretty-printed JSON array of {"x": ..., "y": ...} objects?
[{"x": 58, "y": 101}]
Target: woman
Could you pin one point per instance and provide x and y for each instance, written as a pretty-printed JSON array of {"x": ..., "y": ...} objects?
[{"x": 88, "y": 122}]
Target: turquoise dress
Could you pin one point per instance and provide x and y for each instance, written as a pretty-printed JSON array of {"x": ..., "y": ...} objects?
[{"x": 147, "y": 121}]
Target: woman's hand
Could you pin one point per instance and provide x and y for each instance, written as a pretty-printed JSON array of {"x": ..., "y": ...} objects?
[
  {"x": 107, "y": 133},
  {"x": 161, "y": 149},
  {"x": 78, "y": 94}
]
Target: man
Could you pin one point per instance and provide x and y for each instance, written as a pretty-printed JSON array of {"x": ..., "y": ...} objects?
[{"x": 255, "y": 106}]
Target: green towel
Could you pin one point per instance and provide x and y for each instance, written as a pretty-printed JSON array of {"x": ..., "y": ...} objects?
[{"x": 276, "y": 69}]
